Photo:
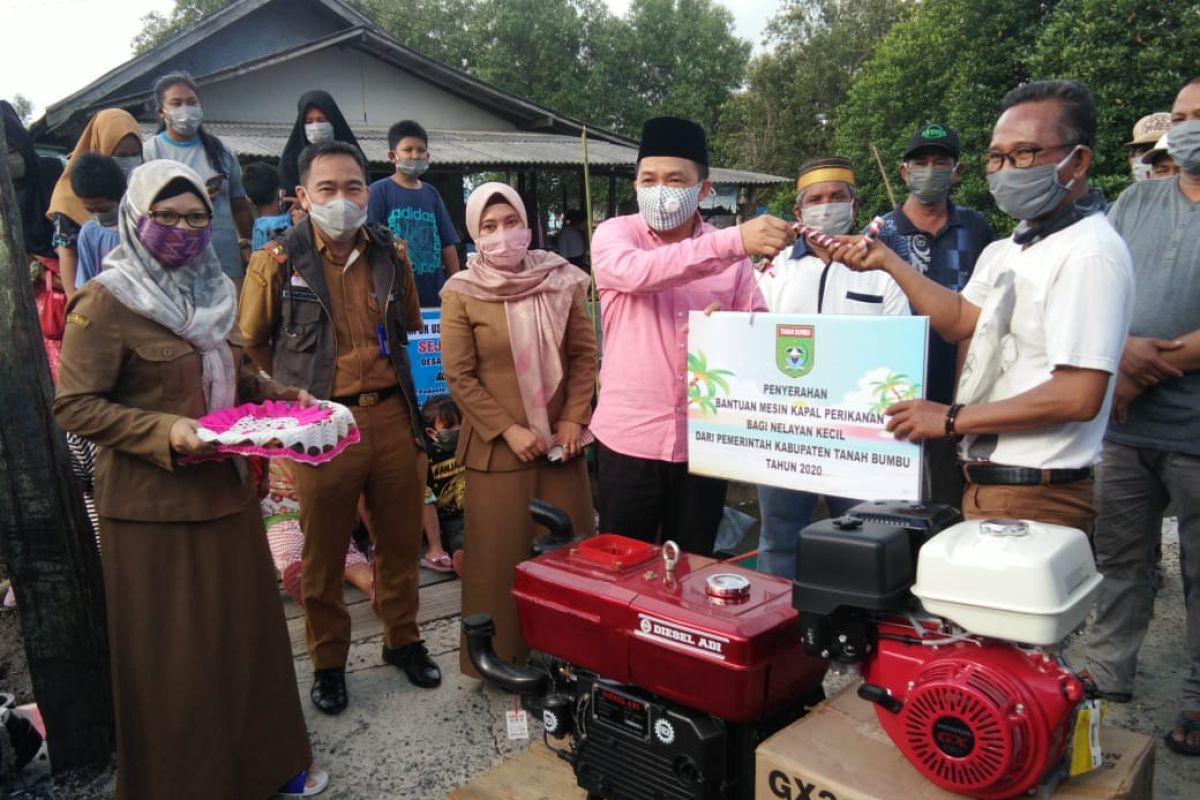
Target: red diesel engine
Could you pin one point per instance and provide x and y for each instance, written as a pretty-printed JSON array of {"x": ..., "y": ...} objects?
[
  {"x": 662, "y": 669},
  {"x": 958, "y": 634}
]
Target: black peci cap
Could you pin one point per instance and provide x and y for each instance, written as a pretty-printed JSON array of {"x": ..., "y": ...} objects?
[
  {"x": 674, "y": 137},
  {"x": 934, "y": 136}
]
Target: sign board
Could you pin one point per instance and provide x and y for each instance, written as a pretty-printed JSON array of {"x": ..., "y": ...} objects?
[
  {"x": 425, "y": 355},
  {"x": 797, "y": 401}
]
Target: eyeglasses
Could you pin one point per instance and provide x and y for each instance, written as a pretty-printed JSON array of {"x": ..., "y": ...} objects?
[
  {"x": 169, "y": 219},
  {"x": 1021, "y": 158}
]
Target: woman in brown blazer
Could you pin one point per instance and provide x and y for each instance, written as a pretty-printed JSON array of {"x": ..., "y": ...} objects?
[
  {"x": 203, "y": 684},
  {"x": 519, "y": 353}
]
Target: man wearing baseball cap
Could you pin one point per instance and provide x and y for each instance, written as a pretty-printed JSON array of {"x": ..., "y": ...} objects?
[
  {"x": 941, "y": 241},
  {"x": 1146, "y": 133},
  {"x": 1160, "y": 162}
]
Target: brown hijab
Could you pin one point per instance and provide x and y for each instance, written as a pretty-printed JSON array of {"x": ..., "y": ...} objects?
[
  {"x": 537, "y": 296},
  {"x": 101, "y": 135}
]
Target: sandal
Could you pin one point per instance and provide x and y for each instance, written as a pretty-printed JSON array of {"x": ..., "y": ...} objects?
[
  {"x": 308, "y": 782},
  {"x": 440, "y": 563},
  {"x": 1190, "y": 726},
  {"x": 1089, "y": 685}
]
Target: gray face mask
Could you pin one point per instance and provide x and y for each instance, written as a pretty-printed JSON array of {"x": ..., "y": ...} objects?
[
  {"x": 108, "y": 218},
  {"x": 127, "y": 163},
  {"x": 1030, "y": 193},
  {"x": 930, "y": 185},
  {"x": 1183, "y": 145},
  {"x": 833, "y": 219},
  {"x": 412, "y": 167}
]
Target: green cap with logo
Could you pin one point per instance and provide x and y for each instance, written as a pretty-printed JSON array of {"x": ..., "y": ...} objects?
[{"x": 933, "y": 136}]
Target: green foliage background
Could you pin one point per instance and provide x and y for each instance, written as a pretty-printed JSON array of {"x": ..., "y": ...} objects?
[{"x": 837, "y": 75}]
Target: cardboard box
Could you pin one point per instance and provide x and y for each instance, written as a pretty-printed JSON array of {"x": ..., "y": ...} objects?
[{"x": 840, "y": 752}]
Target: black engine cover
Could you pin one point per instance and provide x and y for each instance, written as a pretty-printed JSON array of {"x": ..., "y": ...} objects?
[
  {"x": 631, "y": 745},
  {"x": 635, "y": 748}
]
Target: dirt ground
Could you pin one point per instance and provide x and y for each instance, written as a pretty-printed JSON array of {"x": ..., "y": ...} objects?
[{"x": 1163, "y": 663}]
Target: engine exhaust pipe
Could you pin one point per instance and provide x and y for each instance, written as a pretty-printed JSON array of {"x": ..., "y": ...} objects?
[
  {"x": 479, "y": 629},
  {"x": 555, "y": 520}
]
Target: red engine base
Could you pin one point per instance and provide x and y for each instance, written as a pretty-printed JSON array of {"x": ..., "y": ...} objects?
[{"x": 984, "y": 719}]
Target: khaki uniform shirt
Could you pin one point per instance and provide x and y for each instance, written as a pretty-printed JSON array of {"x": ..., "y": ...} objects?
[{"x": 355, "y": 313}]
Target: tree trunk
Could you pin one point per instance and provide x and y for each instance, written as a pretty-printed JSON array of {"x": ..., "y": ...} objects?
[{"x": 45, "y": 537}]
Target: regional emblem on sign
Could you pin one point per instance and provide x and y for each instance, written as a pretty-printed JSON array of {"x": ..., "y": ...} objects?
[{"x": 794, "y": 349}]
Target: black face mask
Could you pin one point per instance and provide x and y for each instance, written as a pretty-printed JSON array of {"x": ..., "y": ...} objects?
[{"x": 445, "y": 441}]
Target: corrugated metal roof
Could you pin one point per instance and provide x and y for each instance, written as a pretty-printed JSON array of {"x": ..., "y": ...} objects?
[{"x": 471, "y": 149}]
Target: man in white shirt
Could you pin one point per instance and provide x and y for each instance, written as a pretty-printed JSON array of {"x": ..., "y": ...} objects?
[
  {"x": 1047, "y": 311},
  {"x": 810, "y": 281}
]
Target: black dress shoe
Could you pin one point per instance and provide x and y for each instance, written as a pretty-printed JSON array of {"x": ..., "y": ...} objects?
[
  {"x": 414, "y": 659},
  {"x": 329, "y": 690}
]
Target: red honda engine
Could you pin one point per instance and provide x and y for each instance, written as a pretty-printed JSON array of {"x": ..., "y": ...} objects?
[
  {"x": 960, "y": 649},
  {"x": 982, "y": 718},
  {"x": 663, "y": 669}
]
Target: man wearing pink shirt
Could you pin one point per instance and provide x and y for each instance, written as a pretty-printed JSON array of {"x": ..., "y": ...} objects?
[{"x": 652, "y": 268}]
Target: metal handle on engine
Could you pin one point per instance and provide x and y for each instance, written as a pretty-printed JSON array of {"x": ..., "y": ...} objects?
[{"x": 670, "y": 557}]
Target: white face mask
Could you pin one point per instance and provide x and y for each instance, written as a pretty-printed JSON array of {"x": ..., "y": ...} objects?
[
  {"x": 185, "y": 120},
  {"x": 832, "y": 219},
  {"x": 317, "y": 132},
  {"x": 665, "y": 208},
  {"x": 1140, "y": 171},
  {"x": 339, "y": 219}
]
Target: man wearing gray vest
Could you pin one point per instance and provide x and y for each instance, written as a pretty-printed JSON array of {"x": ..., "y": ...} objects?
[{"x": 1152, "y": 447}]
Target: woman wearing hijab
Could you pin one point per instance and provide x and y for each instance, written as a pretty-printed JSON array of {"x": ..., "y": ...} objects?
[
  {"x": 111, "y": 132},
  {"x": 319, "y": 120},
  {"x": 203, "y": 684},
  {"x": 24, "y": 169},
  {"x": 519, "y": 353}
]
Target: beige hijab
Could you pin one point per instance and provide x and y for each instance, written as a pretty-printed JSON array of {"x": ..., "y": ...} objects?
[{"x": 537, "y": 297}]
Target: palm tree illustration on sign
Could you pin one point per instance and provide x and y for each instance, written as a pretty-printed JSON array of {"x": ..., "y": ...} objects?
[
  {"x": 894, "y": 388},
  {"x": 702, "y": 388}
]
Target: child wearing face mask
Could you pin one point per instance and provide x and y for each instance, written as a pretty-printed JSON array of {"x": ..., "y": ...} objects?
[
  {"x": 183, "y": 137},
  {"x": 99, "y": 183},
  {"x": 318, "y": 119},
  {"x": 415, "y": 212},
  {"x": 446, "y": 489},
  {"x": 111, "y": 132}
]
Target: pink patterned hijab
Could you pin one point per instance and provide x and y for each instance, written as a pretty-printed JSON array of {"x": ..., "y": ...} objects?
[{"x": 537, "y": 297}]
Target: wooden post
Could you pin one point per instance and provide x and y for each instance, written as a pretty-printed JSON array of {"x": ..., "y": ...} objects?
[{"x": 45, "y": 538}]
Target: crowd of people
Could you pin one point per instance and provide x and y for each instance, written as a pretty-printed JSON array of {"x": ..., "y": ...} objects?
[{"x": 1062, "y": 384}]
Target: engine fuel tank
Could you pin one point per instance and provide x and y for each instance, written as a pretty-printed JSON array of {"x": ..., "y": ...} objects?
[{"x": 709, "y": 635}]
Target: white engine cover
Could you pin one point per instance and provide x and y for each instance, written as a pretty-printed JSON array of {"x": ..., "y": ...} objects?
[{"x": 1018, "y": 580}]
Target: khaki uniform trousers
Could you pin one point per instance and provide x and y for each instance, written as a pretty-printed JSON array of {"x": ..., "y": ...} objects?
[
  {"x": 1070, "y": 504},
  {"x": 499, "y": 534},
  {"x": 383, "y": 468}
]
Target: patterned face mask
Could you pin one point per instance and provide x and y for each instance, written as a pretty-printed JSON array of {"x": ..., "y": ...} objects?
[
  {"x": 170, "y": 245},
  {"x": 665, "y": 208}
]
